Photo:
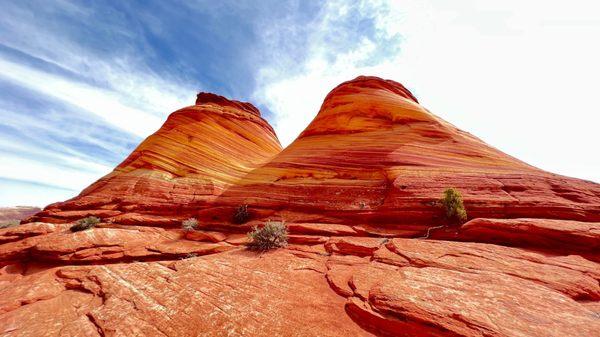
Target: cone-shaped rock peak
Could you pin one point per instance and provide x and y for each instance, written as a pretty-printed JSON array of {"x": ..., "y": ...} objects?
[
  {"x": 198, "y": 152},
  {"x": 372, "y": 153}
]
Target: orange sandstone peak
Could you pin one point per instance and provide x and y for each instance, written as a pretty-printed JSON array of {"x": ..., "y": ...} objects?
[
  {"x": 207, "y": 97},
  {"x": 373, "y": 154},
  {"x": 374, "y": 82},
  {"x": 370, "y": 252},
  {"x": 198, "y": 152}
]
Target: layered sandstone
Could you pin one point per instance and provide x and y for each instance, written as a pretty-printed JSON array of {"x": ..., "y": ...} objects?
[
  {"x": 198, "y": 152},
  {"x": 373, "y": 155},
  {"x": 358, "y": 189},
  {"x": 135, "y": 281}
]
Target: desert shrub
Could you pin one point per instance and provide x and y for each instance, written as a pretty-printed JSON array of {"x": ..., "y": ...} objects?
[
  {"x": 241, "y": 214},
  {"x": 453, "y": 205},
  {"x": 85, "y": 223},
  {"x": 189, "y": 224},
  {"x": 272, "y": 235},
  {"x": 189, "y": 256}
]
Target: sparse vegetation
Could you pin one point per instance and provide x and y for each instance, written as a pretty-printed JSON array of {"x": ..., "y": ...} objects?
[
  {"x": 189, "y": 256},
  {"x": 189, "y": 225},
  {"x": 453, "y": 205},
  {"x": 272, "y": 235},
  {"x": 85, "y": 223},
  {"x": 241, "y": 214}
]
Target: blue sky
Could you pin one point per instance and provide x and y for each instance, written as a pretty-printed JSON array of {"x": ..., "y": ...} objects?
[{"x": 83, "y": 82}]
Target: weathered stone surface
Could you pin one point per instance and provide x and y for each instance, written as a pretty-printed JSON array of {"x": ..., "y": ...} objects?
[
  {"x": 374, "y": 156},
  {"x": 555, "y": 235},
  {"x": 572, "y": 275},
  {"x": 102, "y": 244},
  {"x": 191, "y": 159},
  {"x": 236, "y": 294},
  {"x": 27, "y": 230},
  {"x": 440, "y": 302},
  {"x": 362, "y": 179},
  {"x": 209, "y": 236},
  {"x": 439, "y": 288},
  {"x": 359, "y": 286},
  {"x": 354, "y": 246},
  {"x": 321, "y": 229}
]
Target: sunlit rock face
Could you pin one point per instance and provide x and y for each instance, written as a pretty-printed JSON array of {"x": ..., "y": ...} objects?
[
  {"x": 198, "y": 152},
  {"x": 359, "y": 191},
  {"x": 373, "y": 153}
]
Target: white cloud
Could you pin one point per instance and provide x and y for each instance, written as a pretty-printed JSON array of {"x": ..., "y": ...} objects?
[
  {"x": 118, "y": 90},
  {"x": 521, "y": 75},
  {"x": 17, "y": 193},
  {"x": 102, "y": 103},
  {"x": 75, "y": 177},
  {"x": 130, "y": 83},
  {"x": 77, "y": 170}
]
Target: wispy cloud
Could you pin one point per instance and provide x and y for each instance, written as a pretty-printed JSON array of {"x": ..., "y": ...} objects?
[
  {"x": 82, "y": 84},
  {"x": 341, "y": 42},
  {"x": 19, "y": 192},
  {"x": 98, "y": 103},
  {"x": 520, "y": 75}
]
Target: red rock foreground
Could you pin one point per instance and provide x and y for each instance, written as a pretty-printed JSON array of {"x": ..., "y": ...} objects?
[{"x": 359, "y": 189}]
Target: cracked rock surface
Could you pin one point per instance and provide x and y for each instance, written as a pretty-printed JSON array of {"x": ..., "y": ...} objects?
[
  {"x": 370, "y": 251},
  {"x": 339, "y": 286}
]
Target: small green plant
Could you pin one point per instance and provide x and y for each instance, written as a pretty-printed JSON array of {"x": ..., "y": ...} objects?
[
  {"x": 189, "y": 224},
  {"x": 453, "y": 205},
  {"x": 85, "y": 223},
  {"x": 241, "y": 214},
  {"x": 272, "y": 235}
]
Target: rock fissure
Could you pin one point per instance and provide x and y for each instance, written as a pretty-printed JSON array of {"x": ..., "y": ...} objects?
[{"x": 93, "y": 321}]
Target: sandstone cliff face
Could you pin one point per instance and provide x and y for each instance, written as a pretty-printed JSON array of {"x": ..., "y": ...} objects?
[
  {"x": 358, "y": 188},
  {"x": 374, "y": 154},
  {"x": 191, "y": 159}
]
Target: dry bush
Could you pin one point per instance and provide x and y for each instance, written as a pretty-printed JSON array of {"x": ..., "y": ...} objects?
[
  {"x": 189, "y": 224},
  {"x": 85, "y": 223},
  {"x": 241, "y": 214},
  {"x": 272, "y": 235}
]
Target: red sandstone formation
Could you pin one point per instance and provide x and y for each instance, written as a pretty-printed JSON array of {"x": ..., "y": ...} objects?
[
  {"x": 191, "y": 159},
  {"x": 358, "y": 189},
  {"x": 373, "y": 154}
]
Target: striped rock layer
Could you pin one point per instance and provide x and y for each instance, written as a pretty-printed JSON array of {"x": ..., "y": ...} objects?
[
  {"x": 369, "y": 253},
  {"x": 199, "y": 152},
  {"x": 374, "y": 155}
]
